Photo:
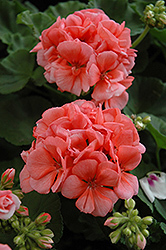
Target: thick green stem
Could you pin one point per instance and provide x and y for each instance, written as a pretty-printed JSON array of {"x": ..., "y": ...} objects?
[{"x": 141, "y": 37}]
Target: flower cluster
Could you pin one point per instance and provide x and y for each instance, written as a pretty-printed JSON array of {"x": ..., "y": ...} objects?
[
  {"x": 88, "y": 49},
  {"x": 85, "y": 153},
  {"x": 129, "y": 225}
]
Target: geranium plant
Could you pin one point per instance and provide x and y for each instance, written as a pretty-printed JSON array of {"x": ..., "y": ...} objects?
[{"x": 83, "y": 125}]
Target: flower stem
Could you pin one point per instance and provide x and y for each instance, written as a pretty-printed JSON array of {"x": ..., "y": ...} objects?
[{"x": 141, "y": 37}]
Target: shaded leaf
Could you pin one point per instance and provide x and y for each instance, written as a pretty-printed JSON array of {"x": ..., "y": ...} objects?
[
  {"x": 36, "y": 21},
  {"x": 161, "y": 207},
  {"x": 64, "y": 9},
  {"x": 144, "y": 93},
  {"x": 17, "y": 41},
  {"x": 16, "y": 69},
  {"x": 19, "y": 115},
  {"x": 49, "y": 203},
  {"x": 143, "y": 198},
  {"x": 94, "y": 228},
  {"x": 163, "y": 227}
]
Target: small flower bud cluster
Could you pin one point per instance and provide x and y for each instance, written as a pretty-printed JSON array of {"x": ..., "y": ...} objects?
[
  {"x": 155, "y": 16},
  {"x": 130, "y": 225},
  {"x": 139, "y": 122},
  {"x": 32, "y": 234}
]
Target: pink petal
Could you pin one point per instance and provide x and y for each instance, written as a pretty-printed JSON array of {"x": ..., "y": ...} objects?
[
  {"x": 85, "y": 169},
  {"x": 40, "y": 163},
  {"x": 44, "y": 184},
  {"x": 85, "y": 202},
  {"x": 73, "y": 187},
  {"x": 129, "y": 157},
  {"x": 102, "y": 204},
  {"x": 127, "y": 187}
]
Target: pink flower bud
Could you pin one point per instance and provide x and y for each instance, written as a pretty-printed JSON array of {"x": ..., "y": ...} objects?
[
  {"x": 43, "y": 218},
  {"x": 23, "y": 211},
  {"x": 141, "y": 241},
  {"x": 8, "y": 177},
  {"x": 113, "y": 222},
  {"x": 44, "y": 242}
]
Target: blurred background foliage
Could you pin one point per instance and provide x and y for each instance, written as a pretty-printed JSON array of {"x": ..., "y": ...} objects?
[{"x": 25, "y": 94}]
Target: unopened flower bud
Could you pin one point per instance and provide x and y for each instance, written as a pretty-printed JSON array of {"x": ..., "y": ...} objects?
[
  {"x": 7, "y": 178},
  {"x": 160, "y": 3},
  {"x": 132, "y": 239},
  {"x": 140, "y": 241},
  {"x": 145, "y": 232},
  {"x": 43, "y": 218},
  {"x": 15, "y": 224},
  {"x": 113, "y": 222},
  {"x": 23, "y": 211},
  {"x": 117, "y": 214},
  {"x": 44, "y": 242},
  {"x": 19, "y": 240},
  {"x": 146, "y": 119},
  {"x": 137, "y": 219},
  {"x": 134, "y": 212},
  {"x": 116, "y": 235},
  {"x": 129, "y": 204},
  {"x": 133, "y": 229},
  {"x": 27, "y": 221},
  {"x": 47, "y": 232},
  {"x": 127, "y": 232},
  {"x": 19, "y": 193},
  {"x": 147, "y": 220}
]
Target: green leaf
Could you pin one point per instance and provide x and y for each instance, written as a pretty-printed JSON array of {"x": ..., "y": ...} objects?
[
  {"x": 144, "y": 93},
  {"x": 49, "y": 203},
  {"x": 133, "y": 21},
  {"x": 64, "y": 9},
  {"x": 143, "y": 198},
  {"x": 163, "y": 227},
  {"x": 36, "y": 21},
  {"x": 161, "y": 207},
  {"x": 160, "y": 35},
  {"x": 94, "y": 228},
  {"x": 38, "y": 76},
  {"x": 19, "y": 115},
  {"x": 143, "y": 168},
  {"x": 16, "y": 69},
  {"x": 8, "y": 13},
  {"x": 159, "y": 138},
  {"x": 18, "y": 41}
]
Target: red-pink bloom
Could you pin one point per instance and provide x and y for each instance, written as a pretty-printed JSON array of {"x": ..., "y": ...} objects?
[
  {"x": 88, "y": 49},
  {"x": 4, "y": 247},
  {"x": 91, "y": 181},
  {"x": 75, "y": 145},
  {"x": 9, "y": 203}
]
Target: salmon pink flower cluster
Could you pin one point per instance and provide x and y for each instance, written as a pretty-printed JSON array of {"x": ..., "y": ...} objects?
[
  {"x": 85, "y": 153},
  {"x": 88, "y": 51}
]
